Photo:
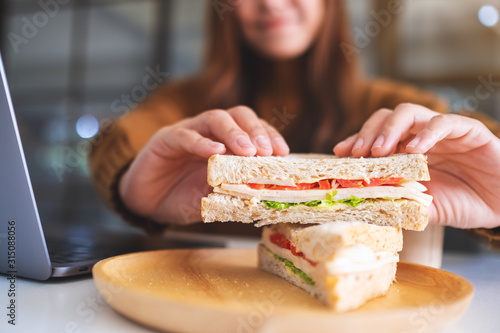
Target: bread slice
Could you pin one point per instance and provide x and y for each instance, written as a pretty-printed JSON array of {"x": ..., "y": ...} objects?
[
  {"x": 310, "y": 168},
  {"x": 341, "y": 292},
  {"x": 321, "y": 242},
  {"x": 406, "y": 214}
]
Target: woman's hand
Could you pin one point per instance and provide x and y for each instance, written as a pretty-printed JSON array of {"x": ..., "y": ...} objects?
[
  {"x": 463, "y": 155},
  {"x": 168, "y": 178}
]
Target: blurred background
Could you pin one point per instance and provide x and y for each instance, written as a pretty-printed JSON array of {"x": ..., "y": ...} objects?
[{"x": 71, "y": 63}]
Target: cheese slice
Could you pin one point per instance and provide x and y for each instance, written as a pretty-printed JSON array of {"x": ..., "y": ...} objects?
[{"x": 405, "y": 191}]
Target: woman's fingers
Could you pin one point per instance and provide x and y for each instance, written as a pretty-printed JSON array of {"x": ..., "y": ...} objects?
[
  {"x": 344, "y": 148},
  {"x": 219, "y": 124},
  {"x": 413, "y": 129},
  {"x": 248, "y": 121},
  {"x": 385, "y": 129},
  {"x": 360, "y": 144},
  {"x": 280, "y": 147},
  {"x": 437, "y": 129},
  {"x": 367, "y": 136},
  {"x": 241, "y": 131},
  {"x": 174, "y": 140},
  {"x": 406, "y": 119},
  {"x": 265, "y": 137},
  {"x": 462, "y": 132}
]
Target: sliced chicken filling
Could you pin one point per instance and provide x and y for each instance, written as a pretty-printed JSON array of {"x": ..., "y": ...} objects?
[{"x": 406, "y": 190}]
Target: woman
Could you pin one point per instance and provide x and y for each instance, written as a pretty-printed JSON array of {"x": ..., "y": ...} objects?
[{"x": 282, "y": 60}]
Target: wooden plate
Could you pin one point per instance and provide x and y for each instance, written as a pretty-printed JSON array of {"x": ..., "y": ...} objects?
[{"x": 223, "y": 291}]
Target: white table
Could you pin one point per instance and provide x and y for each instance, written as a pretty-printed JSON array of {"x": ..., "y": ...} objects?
[
  {"x": 483, "y": 271},
  {"x": 74, "y": 305}
]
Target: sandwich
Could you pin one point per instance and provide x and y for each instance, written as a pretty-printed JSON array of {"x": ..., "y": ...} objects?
[
  {"x": 344, "y": 264},
  {"x": 307, "y": 188}
]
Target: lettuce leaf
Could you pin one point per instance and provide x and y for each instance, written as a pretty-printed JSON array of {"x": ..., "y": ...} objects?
[
  {"x": 279, "y": 205},
  {"x": 328, "y": 202},
  {"x": 300, "y": 273},
  {"x": 353, "y": 201},
  {"x": 331, "y": 195}
]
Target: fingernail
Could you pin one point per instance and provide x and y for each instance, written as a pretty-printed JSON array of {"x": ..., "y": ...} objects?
[
  {"x": 281, "y": 144},
  {"x": 244, "y": 142},
  {"x": 378, "y": 142},
  {"x": 215, "y": 145},
  {"x": 358, "y": 144},
  {"x": 263, "y": 142},
  {"x": 413, "y": 143}
]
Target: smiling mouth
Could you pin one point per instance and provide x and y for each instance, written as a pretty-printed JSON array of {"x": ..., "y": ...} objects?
[{"x": 275, "y": 24}]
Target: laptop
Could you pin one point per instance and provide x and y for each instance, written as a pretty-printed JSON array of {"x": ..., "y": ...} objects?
[{"x": 27, "y": 251}]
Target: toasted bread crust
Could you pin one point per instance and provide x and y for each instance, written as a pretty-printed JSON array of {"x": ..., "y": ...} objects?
[
  {"x": 405, "y": 214},
  {"x": 310, "y": 168}
]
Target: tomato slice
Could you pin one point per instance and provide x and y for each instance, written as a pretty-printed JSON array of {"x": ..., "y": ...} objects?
[
  {"x": 257, "y": 186},
  {"x": 281, "y": 188},
  {"x": 350, "y": 183},
  {"x": 294, "y": 251},
  {"x": 325, "y": 184},
  {"x": 392, "y": 180},
  {"x": 383, "y": 181},
  {"x": 280, "y": 240},
  {"x": 284, "y": 243},
  {"x": 373, "y": 182},
  {"x": 298, "y": 187},
  {"x": 306, "y": 186}
]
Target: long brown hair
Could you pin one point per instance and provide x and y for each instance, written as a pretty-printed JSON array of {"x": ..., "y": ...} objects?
[{"x": 235, "y": 75}]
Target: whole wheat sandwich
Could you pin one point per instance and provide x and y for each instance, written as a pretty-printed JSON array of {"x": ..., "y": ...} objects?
[
  {"x": 303, "y": 188},
  {"x": 332, "y": 226},
  {"x": 344, "y": 264}
]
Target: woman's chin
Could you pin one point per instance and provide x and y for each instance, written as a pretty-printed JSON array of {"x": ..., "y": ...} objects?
[{"x": 282, "y": 52}]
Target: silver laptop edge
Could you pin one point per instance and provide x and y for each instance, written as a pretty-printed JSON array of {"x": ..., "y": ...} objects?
[{"x": 23, "y": 251}]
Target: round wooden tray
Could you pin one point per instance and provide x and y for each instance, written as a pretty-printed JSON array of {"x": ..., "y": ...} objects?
[{"x": 222, "y": 290}]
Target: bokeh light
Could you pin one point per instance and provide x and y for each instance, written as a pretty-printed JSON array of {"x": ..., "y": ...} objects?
[
  {"x": 488, "y": 15},
  {"x": 87, "y": 126}
]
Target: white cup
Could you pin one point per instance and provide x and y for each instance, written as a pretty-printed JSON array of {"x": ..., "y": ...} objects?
[{"x": 423, "y": 247}]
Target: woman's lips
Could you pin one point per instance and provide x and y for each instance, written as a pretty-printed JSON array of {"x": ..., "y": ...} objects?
[{"x": 275, "y": 23}]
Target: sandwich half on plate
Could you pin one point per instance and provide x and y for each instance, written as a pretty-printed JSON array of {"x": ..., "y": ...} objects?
[
  {"x": 344, "y": 264},
  {"x": 303, "y": 188}
]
